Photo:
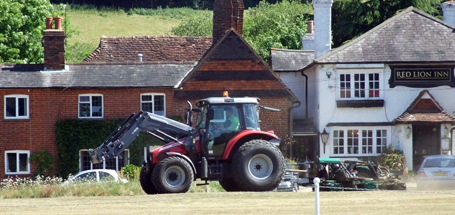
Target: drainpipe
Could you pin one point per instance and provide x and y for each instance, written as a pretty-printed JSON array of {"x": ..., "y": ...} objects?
[{"x": 306, "y": 93}]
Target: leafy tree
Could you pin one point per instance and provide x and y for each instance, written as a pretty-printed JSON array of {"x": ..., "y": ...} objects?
[
  {"x": 279, "y": 25},
  {"x": 352, "y": 18},
  {"x": 22, "y": 23},
  {"x": 266, "y": 26},
  {"x": 198, "y": 25}
]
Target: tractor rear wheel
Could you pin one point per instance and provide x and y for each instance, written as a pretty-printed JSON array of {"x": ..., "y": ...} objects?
[
  {"x": 258, "y": 166},
  {"x": 146, "y": 181},
  {"x": 173, "y": 175},
  {"x": 229, "y": 185}
]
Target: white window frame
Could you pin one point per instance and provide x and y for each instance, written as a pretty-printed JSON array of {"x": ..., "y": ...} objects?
[
  {"x": 17, "y": 97},
  {"x": 91, "y": 106},
  {"x": 153, "y": 101},
  {"x": 127, "y": 151},
  {"x": 17, "y": 152},
  {"x": 358, "y": 139},
  {"x": 352, "y": 89}
]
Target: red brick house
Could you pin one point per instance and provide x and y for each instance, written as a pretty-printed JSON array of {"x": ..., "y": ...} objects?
[{"x": 112, "y": 83}]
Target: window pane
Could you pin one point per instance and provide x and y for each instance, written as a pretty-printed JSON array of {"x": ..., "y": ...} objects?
[
  {"x": 12, "y": 162},
  {"x": 84, "y": 98},
  {"x": 22, "y": 106},
  {"x": 97, "y": 106},
  {"x": 85, "y": 160},
  {"x": 338, "y": 142},
  {"x": 111, "y": 163},
  {"x": 381, "y": 141},
  {"x": 11, "y": 107},
  {"x": 23, "y": 162},
  {"x": 367, "y": 142},
  {"x": 84, "y": 110},
  {"x": 146, "y": 98},
  {"x": 353, "y": 141},
  {"x": 159, "y": 105},
  {"x": 105, "y": 176},
  {"x": 147, "y": 107},
  {"x": 345, "y": 86}
]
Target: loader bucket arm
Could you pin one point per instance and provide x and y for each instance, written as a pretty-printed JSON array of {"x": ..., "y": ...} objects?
[{"x": 160, "y": 127}]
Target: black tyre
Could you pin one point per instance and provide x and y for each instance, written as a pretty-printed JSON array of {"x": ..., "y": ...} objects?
[
  {"x": 172, "y": 175},
  {"x": 364, "y": 173},
  {"x": 229, "y": 185},
  {"x": 258, "y": 166},
  {"x": 146, "y": 182}
]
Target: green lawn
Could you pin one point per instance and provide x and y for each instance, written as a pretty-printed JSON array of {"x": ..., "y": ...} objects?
[{"x": 93, "y": 24}]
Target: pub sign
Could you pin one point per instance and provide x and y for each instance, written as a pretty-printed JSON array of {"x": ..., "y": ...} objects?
[{"x": 421, "y": 76}]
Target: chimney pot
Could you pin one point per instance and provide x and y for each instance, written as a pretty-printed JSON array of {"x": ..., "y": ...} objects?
[
  {"x": 58, "y": 22},
  {"x": 48, "y": 23},
  {"x": 310, "y": 26}
]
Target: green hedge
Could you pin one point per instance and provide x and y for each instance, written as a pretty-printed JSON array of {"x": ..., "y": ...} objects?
[{"x": 73, "y": 135}]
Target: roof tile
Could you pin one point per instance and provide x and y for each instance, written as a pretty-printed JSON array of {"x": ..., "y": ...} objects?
[{"x": 152, "y": 48}]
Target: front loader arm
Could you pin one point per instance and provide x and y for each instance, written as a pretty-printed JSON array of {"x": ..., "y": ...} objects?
[{"x": 160, "y": 127}]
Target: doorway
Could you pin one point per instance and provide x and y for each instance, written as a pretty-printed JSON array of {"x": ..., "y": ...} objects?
[{"x": 425, "y": 142}]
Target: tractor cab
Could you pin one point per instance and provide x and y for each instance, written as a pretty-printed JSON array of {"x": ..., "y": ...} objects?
[{"x": 220, "y": 119}]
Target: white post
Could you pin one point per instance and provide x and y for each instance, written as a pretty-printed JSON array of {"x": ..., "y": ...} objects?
[{"x": 316, "y": 194}]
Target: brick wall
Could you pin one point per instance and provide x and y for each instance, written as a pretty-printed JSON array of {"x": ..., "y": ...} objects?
[{"x": 49, "y": 105}]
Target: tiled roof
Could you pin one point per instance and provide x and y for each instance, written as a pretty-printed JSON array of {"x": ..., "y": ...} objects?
[
  {"x": 425, "y": 117},
  {"x": 289, "y": 60},
  {"x": 83, "y": 75},
  {"x": 410, "y": 36},
  {"x": 235, "y": 43},
  {"x": 152, "y": 48}
]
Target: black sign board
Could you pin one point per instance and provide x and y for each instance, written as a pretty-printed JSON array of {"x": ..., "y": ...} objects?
[{"x": 421, "y": 76}]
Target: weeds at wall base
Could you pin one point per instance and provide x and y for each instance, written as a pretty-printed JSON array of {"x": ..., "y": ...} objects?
[{"x": 52, "y": 187}]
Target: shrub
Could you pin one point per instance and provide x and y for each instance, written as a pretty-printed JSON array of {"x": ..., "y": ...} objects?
[
  {"x": 44, "y": 163},
  {"x": 131, "y": 172},
  {"x": 391, "y": 158}
]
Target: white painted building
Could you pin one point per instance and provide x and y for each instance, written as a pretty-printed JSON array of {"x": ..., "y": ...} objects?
[{"x": 394, "y": 85}]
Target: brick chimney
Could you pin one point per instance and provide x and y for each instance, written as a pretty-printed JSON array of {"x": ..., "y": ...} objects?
[
  {"x": 448, "y": 12},
  {"x": 54, "y": 45},
  {"x": 322, "y": 27},
  {"x": 227, "y": 14}
]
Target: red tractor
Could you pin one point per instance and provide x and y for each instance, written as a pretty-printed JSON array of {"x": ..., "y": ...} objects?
[{"x": 225, "y": 145}]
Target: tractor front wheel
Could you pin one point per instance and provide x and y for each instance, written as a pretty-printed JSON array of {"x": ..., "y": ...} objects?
[
  {"x": 173, "y": 175},
  {"x": 258, "y": 166},
  {"x": 146, "y": 181},
  {"x": 229, "y": 185}
]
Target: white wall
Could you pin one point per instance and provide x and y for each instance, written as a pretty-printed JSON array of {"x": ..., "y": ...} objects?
[
  {"x": 296, "y": 83},
  {"x": 396, "y": 101}
]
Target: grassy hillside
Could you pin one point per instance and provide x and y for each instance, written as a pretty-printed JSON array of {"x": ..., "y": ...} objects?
[{"x": 93, "y": 23}]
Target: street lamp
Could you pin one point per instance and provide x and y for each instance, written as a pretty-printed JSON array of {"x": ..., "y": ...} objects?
[{"x": 324, "y": 138}]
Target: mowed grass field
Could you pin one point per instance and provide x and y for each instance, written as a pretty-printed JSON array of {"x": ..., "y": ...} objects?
[
  {"x": 93, "y": 24},
  {"x": 374, "y": 202}
]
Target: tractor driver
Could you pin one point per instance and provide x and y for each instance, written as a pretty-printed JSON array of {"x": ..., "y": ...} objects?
[{"x": 232, "y": 122}]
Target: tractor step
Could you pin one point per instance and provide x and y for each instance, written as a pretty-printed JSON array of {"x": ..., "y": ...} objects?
[{"x": 206, "y": 183}]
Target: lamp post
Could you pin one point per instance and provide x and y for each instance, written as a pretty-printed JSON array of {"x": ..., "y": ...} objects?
[{"x": 324, "y": 138}]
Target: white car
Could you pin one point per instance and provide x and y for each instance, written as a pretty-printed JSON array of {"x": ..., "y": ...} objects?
[
  {"x": 437, "y": 172},
  {"x": 97, "y": 175}
]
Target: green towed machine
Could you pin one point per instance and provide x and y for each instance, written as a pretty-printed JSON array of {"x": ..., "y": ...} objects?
[{"x": 336, "y": 175}]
